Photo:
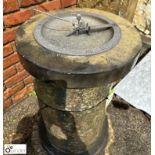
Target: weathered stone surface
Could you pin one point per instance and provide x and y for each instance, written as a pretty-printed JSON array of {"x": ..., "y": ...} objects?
[
  {"x": 123, "y": 8},
  {"x": 142, "y": 18},
  {"x": 56, "y": 95},
  {"x": 36, "y": 142},
  {"x": 74, "y": 131},
  {"x": 101, "y": 68},
  {"x": 131, "y": 129},
  {"x": 111, "y": 6},
  {"x": 73, "y": 107},
  {"x": 138, "y": 11},
  {"x": 74, "y": 118}
]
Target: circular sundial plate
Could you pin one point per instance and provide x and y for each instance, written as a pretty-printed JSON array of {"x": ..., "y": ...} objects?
[{"x": 51, "y": 33}]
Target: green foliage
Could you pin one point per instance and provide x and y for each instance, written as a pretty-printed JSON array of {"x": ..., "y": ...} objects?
[{"x": 32, "y": 93}]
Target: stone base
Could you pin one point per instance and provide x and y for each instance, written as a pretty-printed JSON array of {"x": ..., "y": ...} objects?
[
  {"x": 42, "y": 145},
  {"x": 36, "y": 142},
  {"x": 129, "y": 132}
]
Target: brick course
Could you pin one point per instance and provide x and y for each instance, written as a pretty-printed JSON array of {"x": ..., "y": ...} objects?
[
  {"x": 7, "y": 50},
  {"x": 16, "y": 78},
  {"x": 19, "y": 67},
  {"x": 20, "y": 95},
  {"x": 17, "y": 18},
  {"x": 53, "y": 5},
  {"x": 10, "y": 60},
  {"x": 9, "y": 35},
  {"x": 28, "y": 80},
  {"x": 7, "y": 103},
  {"x": 25, "y": 3},
  {"x": 17, "y": 82},
  {"x": 10, "y": 5},
  {"x": 9, "y": 72},
  {"x": 11, "y": 91},
  {"x": 67, "y": 3}
]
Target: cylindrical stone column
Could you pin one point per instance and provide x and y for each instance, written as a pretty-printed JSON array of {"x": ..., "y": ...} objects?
[
  {"x": 74, "y": 65},
  {"x": 75, "y": 119}
]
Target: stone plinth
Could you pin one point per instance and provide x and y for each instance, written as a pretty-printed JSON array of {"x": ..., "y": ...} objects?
[
  {"x": 71, "y": 87},
  {"x": 75, "y": 119}
]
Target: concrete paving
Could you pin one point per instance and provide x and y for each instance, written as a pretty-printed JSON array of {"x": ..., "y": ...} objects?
[{"x": 135, "y": 88}]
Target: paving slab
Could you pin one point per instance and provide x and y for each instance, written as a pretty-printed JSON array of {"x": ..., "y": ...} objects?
[{"x": 135, "y": 88}]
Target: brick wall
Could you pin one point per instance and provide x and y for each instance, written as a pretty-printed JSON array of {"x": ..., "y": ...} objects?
[{"x": 17, "y": 82}]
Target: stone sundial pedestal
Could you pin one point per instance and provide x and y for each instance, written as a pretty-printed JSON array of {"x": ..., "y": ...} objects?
[{"x": 75, "y": 55}]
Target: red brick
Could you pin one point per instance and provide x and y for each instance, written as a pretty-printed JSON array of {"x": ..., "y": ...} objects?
[
  {"x": 9, "y": 35},
  {"x": 19, "y": 67},
  {"x": 9, "y": 72},
  {"x": 53, "y": 5},
  {"x": 13, "y": 46},
  {"x": 17, "y": 18},
  {"x": 7, "y": 50},
  {"x": 11, "y": 91},
  {"x": 10, "y": 60},
  {"x": 10, "y": 5},
  {"x": 16, "y": 78},
  {"x": 7, "y": 103},
  {"x": 25, "y": 3},
  {"x": 28, "y": 80},
  {"x": 20, "y": 95},
  {"x": 17, "y": 87},
  {"x": 6, "y": 94},
  {"x": 67, "y": 3},
  {"x": 30, "y": 88},
  {"x": 39, "y": 8}
]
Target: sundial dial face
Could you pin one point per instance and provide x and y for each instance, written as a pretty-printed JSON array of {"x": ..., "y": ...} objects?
[
  {"x": 51, "y": 49},
  {"x": 53, "y": 34}
]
